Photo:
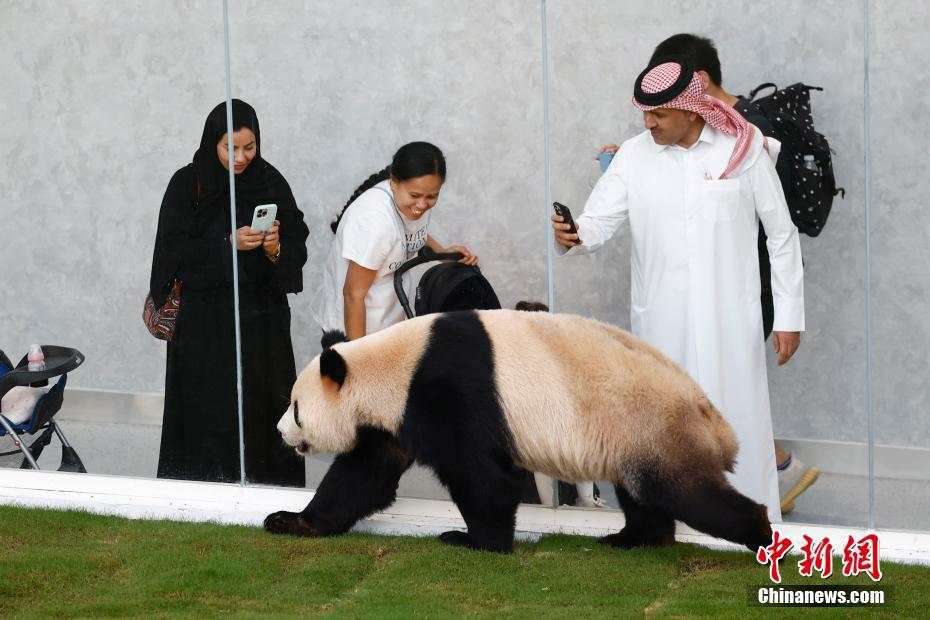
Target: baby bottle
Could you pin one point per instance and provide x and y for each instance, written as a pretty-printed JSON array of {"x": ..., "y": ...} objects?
[{"x": 36, "y": 358}]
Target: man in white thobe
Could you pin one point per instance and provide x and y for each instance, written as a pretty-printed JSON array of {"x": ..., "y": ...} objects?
[{"x": 692, "y": 188}]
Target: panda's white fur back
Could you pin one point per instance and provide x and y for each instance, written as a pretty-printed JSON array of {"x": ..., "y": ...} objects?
[{"x": 582, "y": 399}]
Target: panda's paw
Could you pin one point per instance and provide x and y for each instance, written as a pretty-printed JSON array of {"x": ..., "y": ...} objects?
[
  {"x": 464, "y": 539},
  {"x": 283, "y": 522},
  {"x": 457, "y": 539},
  {"x": 628, "y": 538}
]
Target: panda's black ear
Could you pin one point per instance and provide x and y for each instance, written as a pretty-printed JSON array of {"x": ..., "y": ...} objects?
[
  {"x": 333, "y": 367},
  {"x": 332, "y": 338}
]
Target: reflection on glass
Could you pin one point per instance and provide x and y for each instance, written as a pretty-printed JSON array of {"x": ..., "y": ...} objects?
[
  {"x": 192, "y": 247},
  {"x": 726, "y": 317}
]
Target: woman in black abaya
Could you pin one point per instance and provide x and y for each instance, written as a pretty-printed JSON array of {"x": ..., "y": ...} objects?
[{"x": 200, "y": 430}]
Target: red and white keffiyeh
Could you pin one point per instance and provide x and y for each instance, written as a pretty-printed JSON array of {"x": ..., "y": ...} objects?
[{"x": 668, "y": 76}]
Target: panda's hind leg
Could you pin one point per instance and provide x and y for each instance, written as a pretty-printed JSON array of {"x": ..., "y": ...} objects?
[
  {"x": 713, "y": 506},
  {"x": 646, "y": 526},
  {"x": 706, "y": 502}
]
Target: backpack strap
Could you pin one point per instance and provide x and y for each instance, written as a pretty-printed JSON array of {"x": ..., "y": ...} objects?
[{"x": 755, "y": 91}]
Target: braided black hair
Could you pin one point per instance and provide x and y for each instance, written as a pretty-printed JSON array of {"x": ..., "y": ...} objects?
[
  {"x": 412, "y": 160},
  {"x": 361, "y": 189}
]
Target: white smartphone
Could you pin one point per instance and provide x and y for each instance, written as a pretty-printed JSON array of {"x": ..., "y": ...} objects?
[{"x": 263, "y": 217}]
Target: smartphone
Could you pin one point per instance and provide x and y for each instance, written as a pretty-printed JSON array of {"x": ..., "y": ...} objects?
[
  {"x": 566, "y": 215},
  {"x": 263, "y": 217}
]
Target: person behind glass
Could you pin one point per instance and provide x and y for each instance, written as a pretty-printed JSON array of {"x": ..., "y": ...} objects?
[
  {"x": 384, "y": 223},
  {"x": 200, "y": 435}
]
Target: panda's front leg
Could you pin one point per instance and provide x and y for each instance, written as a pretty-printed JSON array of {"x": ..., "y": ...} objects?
[
  {"x": 487, "y": 494},
  {"x": 357, "y": 484}
]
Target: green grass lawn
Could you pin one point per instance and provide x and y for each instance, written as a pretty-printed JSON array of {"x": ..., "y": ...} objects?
[{"x": 76, "y": 564}]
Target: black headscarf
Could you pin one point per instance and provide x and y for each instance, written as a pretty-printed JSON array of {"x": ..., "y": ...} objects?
[
  {"x": 213, "y": 176},
  {"x": 192, "y": 243}
]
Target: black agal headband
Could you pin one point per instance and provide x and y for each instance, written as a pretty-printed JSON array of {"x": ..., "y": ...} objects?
[{"x": 663, "y": 96}]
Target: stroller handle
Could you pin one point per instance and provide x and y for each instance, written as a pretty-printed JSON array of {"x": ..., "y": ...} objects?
[{"x": 425, "y": 255}]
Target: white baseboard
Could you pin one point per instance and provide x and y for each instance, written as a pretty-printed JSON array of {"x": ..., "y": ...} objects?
[
  {"x": 112, "y": 406},
  {"x": 229, "y": 503},
  {"x": 852, "y": 458}
]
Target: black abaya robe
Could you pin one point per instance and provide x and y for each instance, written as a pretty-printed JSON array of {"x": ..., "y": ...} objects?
[{"x": 200, "y": 437}]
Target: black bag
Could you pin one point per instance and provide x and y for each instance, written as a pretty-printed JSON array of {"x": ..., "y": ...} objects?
[
  {"x": 447, "y": 287},
  {"x": 805, "y": 166}
]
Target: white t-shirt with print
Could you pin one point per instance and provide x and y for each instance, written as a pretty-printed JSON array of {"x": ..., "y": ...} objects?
[{"x": 375, "y": 235}]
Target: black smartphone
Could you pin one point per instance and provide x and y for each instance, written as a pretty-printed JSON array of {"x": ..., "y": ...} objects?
[{"x": 566, "y": 215}]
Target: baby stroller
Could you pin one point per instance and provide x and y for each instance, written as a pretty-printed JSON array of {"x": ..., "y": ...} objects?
[
  {"x": 40, "y": 425},
  {"x": 451, "y": 286}
]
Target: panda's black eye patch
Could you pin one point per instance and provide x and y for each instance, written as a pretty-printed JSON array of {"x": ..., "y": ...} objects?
[{"x": 296, "y": 418}]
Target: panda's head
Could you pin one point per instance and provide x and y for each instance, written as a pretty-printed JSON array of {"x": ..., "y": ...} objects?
[{"x": 320, "y": 417}]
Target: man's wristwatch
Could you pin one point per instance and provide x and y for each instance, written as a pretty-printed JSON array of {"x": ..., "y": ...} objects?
[{"x": 274, "y": 257}]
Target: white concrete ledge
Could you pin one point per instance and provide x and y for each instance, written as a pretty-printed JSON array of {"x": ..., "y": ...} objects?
[{"x": 233, "y": 504}]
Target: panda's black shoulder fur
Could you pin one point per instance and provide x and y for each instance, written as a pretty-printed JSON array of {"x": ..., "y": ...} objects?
[
  {"x": 453, "y": 400},
  {"x": 454, "y": 423}
]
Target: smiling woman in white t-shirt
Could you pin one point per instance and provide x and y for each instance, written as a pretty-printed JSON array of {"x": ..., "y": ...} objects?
[{"x": 384, "y": 223}]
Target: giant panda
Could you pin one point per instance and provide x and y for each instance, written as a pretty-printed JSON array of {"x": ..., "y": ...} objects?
[{"x": 477, "y": 395}]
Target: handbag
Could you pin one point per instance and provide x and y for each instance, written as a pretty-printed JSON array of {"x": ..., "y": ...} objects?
[{"x": 161, "y": 321}]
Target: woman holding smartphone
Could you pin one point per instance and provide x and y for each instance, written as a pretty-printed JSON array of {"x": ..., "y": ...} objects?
[
  {"x": 200, "y": 437},
  {"x": 384, "y": 223}
]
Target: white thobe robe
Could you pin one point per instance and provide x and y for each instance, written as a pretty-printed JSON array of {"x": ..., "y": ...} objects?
[{"x": 695, "y": 275}]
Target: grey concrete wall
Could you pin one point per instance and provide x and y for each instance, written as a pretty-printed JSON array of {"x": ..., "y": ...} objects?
[
  {"x": 900, "y": 221},
  {"x": 101, "y": 103}
]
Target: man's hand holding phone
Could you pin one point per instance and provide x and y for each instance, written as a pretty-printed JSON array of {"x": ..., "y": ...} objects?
[{"x": 563, "y": 225}]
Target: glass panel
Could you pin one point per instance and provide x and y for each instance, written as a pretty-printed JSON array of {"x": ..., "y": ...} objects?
[
  {"x": 818, "y": 404},
  {"x": 899, "y": 257},
  {"x": 106, "y": 105},
  {"x": 340, "y": 88}
]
